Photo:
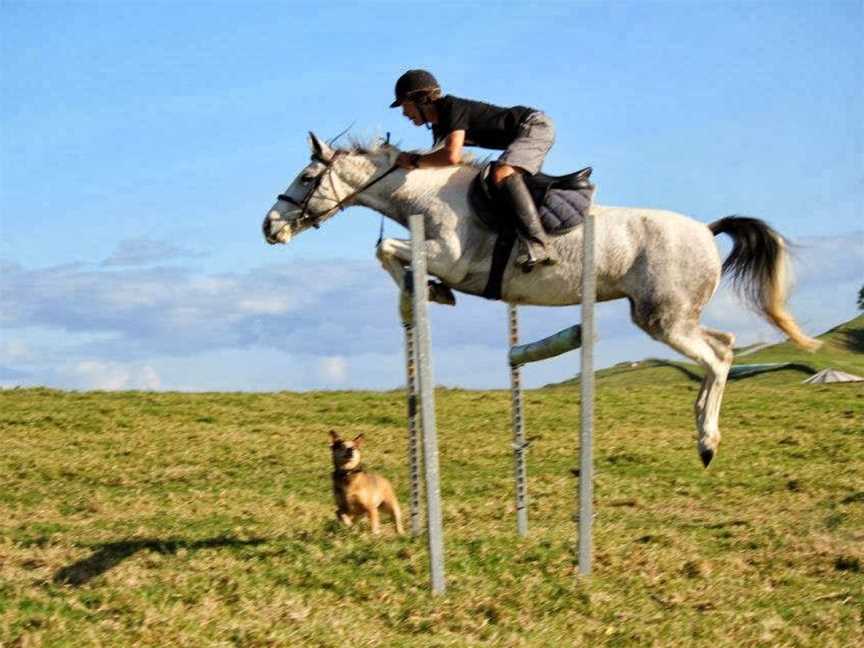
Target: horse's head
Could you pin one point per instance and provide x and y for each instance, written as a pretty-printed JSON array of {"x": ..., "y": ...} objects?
[{"x": 328, "y": 184}]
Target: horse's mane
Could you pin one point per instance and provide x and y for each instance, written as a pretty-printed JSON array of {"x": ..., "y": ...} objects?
[{"x": 359, "y": 146}]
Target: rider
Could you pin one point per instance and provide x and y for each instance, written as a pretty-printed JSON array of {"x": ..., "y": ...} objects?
[{"x": 524, "y": 134}]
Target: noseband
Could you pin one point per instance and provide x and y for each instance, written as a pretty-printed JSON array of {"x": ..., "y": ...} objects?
[{"x": 340, "y": 203}]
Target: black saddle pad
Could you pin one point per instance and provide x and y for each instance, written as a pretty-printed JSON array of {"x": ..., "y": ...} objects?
[{"x": 562, "y": 201}]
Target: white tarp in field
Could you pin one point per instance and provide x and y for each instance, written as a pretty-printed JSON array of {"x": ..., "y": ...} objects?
[{"x": 831, "y": 376}]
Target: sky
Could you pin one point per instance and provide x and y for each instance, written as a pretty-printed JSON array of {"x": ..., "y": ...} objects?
[{"x": 142, "y": 143}]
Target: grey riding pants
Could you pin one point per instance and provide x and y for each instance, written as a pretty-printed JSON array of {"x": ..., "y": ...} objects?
[{"x": 529, "y": 149}]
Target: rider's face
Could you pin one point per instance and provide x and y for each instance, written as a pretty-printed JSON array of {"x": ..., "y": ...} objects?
[{"x": 410, "y": 110}]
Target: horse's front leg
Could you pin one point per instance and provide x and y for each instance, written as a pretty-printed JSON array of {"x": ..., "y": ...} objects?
[
  {"x": 391, "y": 262},
  {"x": 395, "y": 256},
  {"x": 396, "y": 269}
]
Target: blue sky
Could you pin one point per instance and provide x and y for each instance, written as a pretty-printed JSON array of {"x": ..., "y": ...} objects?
[{"x": 142, "y": 143}]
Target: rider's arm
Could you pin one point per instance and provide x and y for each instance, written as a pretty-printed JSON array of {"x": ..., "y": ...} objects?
[{"x": 449, "y": 154}]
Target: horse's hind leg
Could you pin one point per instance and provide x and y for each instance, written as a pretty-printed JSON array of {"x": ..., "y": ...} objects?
[
  {"x": 720, "y": 341},
  {"x": 692, "y": 341},
  {"x": 722, "y": 344},
  {"x": 711, "y": 349}
]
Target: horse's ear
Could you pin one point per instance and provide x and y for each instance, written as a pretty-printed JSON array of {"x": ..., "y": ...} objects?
[{"x": 320, "y": 150}]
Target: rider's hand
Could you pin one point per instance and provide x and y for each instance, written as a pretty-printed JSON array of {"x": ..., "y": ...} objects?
[{"x": 407, "y": 160}]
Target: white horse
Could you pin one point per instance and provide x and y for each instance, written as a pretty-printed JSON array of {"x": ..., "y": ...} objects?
[{"x": 666, "y": 264}]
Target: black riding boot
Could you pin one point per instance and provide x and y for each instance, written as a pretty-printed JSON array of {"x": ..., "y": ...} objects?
[{"x": 533, "y": 248}]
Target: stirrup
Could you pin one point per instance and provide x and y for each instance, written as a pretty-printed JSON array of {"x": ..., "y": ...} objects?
[{"x": 527, "y": 259}]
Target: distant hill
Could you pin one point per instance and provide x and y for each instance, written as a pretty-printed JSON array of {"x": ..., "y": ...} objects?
[{"x": 843, "y": 349}]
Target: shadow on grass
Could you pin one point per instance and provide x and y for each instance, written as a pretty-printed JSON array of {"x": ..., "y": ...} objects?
[
  {"x": 692, "y": 375},
  {"x": 110, "y": 554},
  {"x": 854, "y": 340},
  {"x": 807, "y": 370},
  {"x": 783, "y": 366}
]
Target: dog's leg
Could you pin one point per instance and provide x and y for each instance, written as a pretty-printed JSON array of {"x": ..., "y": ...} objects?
[
  {"x": 372, "y": 512},
  {"x": 391, "y": 505},
  {"x": 344, "y": 518},
  {"x": 397, "y": 517}
]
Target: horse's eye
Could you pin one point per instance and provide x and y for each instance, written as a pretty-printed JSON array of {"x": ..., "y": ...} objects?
[{"x": 306, "y": 178}]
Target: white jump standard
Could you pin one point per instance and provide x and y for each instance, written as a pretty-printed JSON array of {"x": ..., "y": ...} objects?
[
  {"x": 520, "y": 445},
  {"x": 554, "y": 345},
  {"x": 413, "y": 396},
  {"x": 419, "y": 356}
]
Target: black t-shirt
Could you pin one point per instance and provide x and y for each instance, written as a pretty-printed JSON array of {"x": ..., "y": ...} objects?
[{"x": 485, "y": 125}]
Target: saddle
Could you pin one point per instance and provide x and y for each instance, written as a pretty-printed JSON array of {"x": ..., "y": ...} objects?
[{"x": 561, "y": 200}]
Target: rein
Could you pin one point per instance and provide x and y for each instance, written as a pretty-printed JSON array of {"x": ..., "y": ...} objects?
[{"x": 340, "y": 204}]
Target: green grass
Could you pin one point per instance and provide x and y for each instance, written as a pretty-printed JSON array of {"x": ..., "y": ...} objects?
[{"x": 207, "y": 519}]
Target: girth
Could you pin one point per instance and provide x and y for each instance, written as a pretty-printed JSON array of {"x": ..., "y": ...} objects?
[{"x": 496, "y": 215}]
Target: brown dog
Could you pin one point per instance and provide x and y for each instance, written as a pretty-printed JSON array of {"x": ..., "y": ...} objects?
[{"x": 356, "y": 491}]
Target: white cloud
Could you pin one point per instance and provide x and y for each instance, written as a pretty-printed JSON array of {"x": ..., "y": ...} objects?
[
  {"x": 333, "y": 370},
  {"x": 98, "y": 374},
  {"x": 142, "y": 251},
  {"x": 265, "y": 306},
  {"x": 173, "y": 311},
  {"x": 12, "y": 351},
  {"x": 148, "y": 378},
  {"x": 820, "y": 257}
]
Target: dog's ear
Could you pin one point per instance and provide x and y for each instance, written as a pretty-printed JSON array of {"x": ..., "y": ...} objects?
[
  {"x": 358, "y": 440},
  {"x": 334, "y": 437}
]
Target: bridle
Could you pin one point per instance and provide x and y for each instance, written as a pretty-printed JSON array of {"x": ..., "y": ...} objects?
[{"x": 341, "y": 203}]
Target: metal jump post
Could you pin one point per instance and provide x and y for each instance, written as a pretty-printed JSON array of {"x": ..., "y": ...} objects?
[
  {"x": 422, "y": 388},
  {"x": 561, "y": 342}
]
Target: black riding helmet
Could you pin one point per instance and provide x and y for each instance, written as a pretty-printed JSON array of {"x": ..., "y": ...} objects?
[{"x": 413, "y": 85}]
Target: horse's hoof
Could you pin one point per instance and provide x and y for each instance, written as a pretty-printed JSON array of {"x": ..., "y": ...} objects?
[{"x": 706, "y": 455}]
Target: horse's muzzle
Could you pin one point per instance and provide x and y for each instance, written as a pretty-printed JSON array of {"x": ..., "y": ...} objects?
[{"x": 275, "y": 229}]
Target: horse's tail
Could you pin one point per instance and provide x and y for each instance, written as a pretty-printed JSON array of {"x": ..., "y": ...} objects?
[{"x": 758, "y": 265}]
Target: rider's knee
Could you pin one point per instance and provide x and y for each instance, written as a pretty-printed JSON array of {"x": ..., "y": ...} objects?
[{"x": 500, "y": 172}]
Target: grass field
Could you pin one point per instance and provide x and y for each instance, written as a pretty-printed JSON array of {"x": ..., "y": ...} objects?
[{"x": 162, "y": 519}]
